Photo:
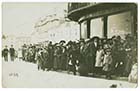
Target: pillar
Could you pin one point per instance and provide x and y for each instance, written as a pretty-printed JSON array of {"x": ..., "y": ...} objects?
[{"x": 105, "y": 24}]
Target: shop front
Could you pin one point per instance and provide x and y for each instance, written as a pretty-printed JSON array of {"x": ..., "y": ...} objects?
[{"x": 106, "y": 19}]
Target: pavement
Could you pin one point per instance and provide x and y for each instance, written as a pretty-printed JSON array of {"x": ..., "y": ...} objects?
[{"x": 20, "y": 74}]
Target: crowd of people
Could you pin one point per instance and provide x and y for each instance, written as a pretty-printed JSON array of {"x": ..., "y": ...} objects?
[{"x": 113, "y": 56}]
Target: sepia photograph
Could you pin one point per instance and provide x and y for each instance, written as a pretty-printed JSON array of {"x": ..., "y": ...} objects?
[{"x": 69, "y": 45}]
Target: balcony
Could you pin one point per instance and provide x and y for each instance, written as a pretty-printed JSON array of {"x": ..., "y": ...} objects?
[
  {"x": 74, "y": 6},
  {"x": 77, "y": 10}
]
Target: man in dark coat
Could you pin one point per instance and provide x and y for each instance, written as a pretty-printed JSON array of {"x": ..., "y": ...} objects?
[
  {"x": 90, "y": 53},
  {"x": 12, "y": 53},
  {"x": 83, "y": 67},
  {"x": 5, "y": 53},
  {"x": 50, "y": 56},
  {"x": 63, "y": 59}
]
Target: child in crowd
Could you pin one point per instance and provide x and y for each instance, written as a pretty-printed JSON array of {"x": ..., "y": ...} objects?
[{"x": 107, "y": 63}]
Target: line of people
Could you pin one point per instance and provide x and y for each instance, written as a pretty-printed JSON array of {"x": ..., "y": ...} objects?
[{"x": 113, "y": 56}]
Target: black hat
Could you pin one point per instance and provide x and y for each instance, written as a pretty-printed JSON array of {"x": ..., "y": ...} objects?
[
  {"x": 62, "y": 41},
  {"x": 93, "y": 38}
]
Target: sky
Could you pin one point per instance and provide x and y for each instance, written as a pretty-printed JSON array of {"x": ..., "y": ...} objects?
[{"x": 20, "y": 18}]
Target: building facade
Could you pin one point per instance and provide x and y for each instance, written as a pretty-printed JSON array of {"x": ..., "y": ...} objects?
[
  {"x": 55, "y": 29},
  {"x": 104, "y": 19}
]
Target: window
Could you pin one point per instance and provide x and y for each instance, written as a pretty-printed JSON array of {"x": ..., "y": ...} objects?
[
  {"x": 84, "y": 30},
  {"x": 96, "y": 27},
  {"x": 119, "y": 24}
]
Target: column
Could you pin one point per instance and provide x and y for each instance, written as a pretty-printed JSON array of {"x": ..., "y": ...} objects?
[
  {"x": 105, "y": 19},
  {"x": 88, "y": 28},
  {"x": 80, "y": 30}
]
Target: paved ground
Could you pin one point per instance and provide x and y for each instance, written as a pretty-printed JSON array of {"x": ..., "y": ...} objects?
[{"x": 23, "y": 74}]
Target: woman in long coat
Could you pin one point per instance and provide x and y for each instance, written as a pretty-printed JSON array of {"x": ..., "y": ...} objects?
[
  {"x": 45, "y": 56},
  {"x": 99, "y": 59},
  {"x": 57, "y": 56},
  {"x": 39, "y": 59}
]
